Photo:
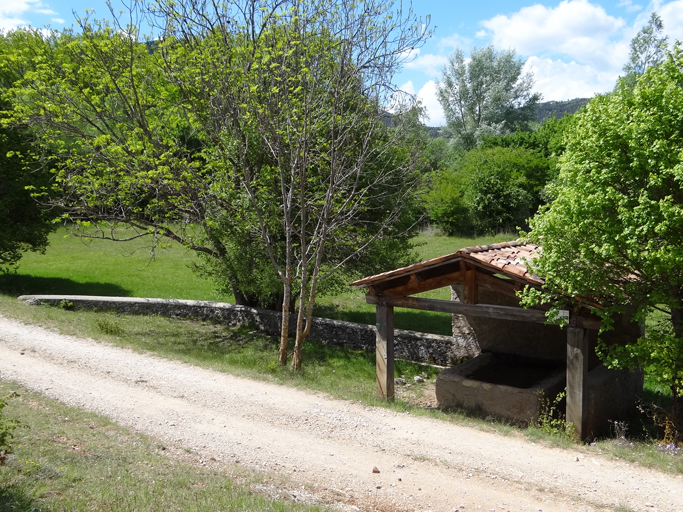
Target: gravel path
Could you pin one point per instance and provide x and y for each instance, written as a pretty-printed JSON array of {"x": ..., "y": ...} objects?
[{"x": 330, "y": 445}]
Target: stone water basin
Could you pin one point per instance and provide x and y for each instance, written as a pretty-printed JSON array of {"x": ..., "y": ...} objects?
[{"x": 505, "y": 386}]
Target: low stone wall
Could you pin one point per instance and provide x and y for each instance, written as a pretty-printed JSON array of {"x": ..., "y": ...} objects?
[{"x": 410, "y": 345}]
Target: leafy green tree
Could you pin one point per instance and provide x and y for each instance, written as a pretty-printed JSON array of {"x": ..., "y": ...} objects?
[
  {"x": 251, "y": 134},
  {"x": 615, "y": 229},
  {"x": 547, "y": 139},
  {"x": 488, "y": 95},
  {"x": 648, "y": 48},
  {"x": 491, "y": 190},
  {"x": 24, "y": 224}
]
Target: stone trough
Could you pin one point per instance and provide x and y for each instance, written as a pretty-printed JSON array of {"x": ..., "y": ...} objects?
[{"x": 505, "y": 386}]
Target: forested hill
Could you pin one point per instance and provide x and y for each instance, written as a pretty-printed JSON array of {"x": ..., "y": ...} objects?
[{"x": 546, "y": 109}]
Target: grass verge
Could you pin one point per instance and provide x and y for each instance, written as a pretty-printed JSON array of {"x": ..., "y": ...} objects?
[{"x": 68, "y": 459}]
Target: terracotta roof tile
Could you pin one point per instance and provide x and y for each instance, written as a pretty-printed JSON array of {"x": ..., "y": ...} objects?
[{"x": 505, "y": 257}]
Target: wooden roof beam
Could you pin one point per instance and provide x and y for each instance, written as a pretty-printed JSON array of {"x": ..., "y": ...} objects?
[{"x": 483, "y": 310}]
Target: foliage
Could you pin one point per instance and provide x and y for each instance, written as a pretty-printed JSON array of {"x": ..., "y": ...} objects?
[
  {"x": 258, "y": 141},
  {"x": 109, "y": 327},
  {"x": 7, "y": 428},
  {"x": 615, "y": 229},
  {"x": 550, "y": 418},
  {"x": 24, "y": 225},
  {"x": 648, "y": 48},
  {"x": 492, "y": 190},
  {"x": 547, "y": 140},
  {"x": 486, "y": 95}
]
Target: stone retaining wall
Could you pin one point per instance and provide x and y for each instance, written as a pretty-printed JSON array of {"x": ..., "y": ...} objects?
[{"x": 410, "y": 345}]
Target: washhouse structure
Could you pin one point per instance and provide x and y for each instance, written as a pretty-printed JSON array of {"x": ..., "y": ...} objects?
[{"x": 522, "y": 357}]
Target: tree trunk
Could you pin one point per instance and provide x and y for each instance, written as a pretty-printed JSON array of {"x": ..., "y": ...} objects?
[
  {"x": 284, "y": 332},
  {"x": 677, "y": 416},
  {"x": 297, "y": 357},
  {"x": 677, "y": 391}
]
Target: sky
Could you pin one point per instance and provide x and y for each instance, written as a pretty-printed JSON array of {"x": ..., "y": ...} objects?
[{"x": 574, "y": 48}]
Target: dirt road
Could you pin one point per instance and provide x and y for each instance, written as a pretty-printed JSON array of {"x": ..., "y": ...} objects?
[{"x": 330, "y": 445}]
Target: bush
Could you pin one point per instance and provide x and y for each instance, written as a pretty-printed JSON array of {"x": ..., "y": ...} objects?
[{"x": 491, "y": 190}]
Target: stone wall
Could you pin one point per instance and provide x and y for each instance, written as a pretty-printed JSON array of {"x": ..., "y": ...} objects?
[{"x": 410, "y": 345}]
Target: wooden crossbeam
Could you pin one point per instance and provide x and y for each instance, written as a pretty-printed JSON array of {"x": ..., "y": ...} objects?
[{"x": 483, "y": 310}]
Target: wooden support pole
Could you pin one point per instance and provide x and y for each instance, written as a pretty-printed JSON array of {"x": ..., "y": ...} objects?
[
  {"x": 471, "y": 286},
  {"x": 384, "y": 351},
  {"x": 577, "y": 373}
]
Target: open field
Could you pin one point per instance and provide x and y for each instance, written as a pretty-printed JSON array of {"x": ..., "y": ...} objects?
[{"x": 99, "y": 267}]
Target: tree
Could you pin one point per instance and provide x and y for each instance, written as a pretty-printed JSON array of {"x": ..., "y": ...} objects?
[
  {"x": 615, "y": 230},
  {"x": 491, "y": 190},
  {"x": 487, "y": 95},
  {"x": 23, "y": 224},
  {"x": 647, "y": 48},
  {"x": 251, "y": 129}
]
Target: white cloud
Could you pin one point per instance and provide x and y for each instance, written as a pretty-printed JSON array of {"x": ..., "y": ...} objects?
[
  {"x": 576, "y": 28},
  {"x": 12, "y": 12},
  {"x": 629, "y": 5},
  {"x": 60, "y": 21},
  {"x": 454, "y": 41},
  {"x": 672, "y": 18},
  {"x": 408, "y": 87},
  {"x": 558, "y": 80},
  {"x": 429, "y": 63},
  {"x": 429, "y": 99}
]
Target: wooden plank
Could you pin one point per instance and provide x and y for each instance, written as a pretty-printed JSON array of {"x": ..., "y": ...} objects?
[
  {"x": 447, "y": 306},
  {"x": 384, "y": 351},
  {"x": 504, "y": 286},
  {"x": 422, "y": 286},
  {"x": 471, "y": 290},
  {"x": 577, "y": 374}
]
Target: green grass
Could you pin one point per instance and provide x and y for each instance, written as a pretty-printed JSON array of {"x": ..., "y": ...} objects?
[
  {"x": 78, "y": 266},
  {"x": 241, "y": 351},
  {"x": 69, "y": 459}
]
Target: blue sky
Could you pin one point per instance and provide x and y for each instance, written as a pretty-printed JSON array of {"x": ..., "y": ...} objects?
[{"x": 575, "y": 48}]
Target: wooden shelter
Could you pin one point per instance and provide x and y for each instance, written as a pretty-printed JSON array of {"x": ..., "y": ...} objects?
[{"x": 498, "y": 268}]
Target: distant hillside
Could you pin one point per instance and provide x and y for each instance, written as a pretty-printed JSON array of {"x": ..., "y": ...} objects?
[
  {"x": 544, "y": 111},
  {"x": 558, "y": 108}
]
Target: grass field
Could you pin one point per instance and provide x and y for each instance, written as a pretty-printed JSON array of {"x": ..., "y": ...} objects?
[
  {"x": 69, "y": 459},
  {"x": 77, "y": 266}
]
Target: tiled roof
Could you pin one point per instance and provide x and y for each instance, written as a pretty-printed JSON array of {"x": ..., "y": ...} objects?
[
  {"x": 503, "y": 257},
  {"x": 507, "y": 257}
]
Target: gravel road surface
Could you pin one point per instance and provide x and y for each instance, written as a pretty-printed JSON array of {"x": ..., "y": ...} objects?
[{"x": 329, "y": 445}]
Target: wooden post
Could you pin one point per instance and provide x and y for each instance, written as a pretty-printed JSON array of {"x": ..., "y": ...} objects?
[
  {"x": 384, "y": 351},
  {"x": 471, "y": 287},
  {"x": 577, "y": 372}
]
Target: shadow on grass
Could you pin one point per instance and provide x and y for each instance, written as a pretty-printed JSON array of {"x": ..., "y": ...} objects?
[
  {"x": 21, "y": 284},
  {"x": 13, "y": 498},
  {"x": 420, "y": 321}
]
